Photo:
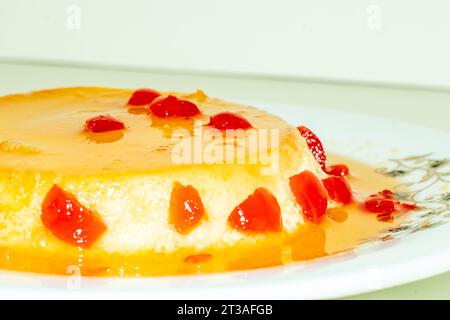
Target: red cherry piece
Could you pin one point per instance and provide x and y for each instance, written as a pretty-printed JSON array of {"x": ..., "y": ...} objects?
[
  {"x": 314, "y": 145},
  {"x": 340, "y": 170},
  {"x": 70, "y": 221},
  {"x": 380, "y": 205},
  {"x": 186, "y": 208},
  {"x": 384, "y": 203},
  {"x": 229, "y": 120},
  {"x": 143, "y": 97},
  {"x": 387, "y": 194},
  {"x": 310, "y": 194},
  {"x": 171, "y": 106},
  {"x": 103, "y": 124},
  {"x": 338, "y": 189},
  {"x": 405, "y": 207},
  {"x": 260, "y": 212}
]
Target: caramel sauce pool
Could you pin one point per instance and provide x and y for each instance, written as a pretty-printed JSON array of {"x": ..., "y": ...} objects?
[{"x": 342, "y": 230}]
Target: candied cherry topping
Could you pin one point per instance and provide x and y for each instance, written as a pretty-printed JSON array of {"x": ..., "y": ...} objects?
[
  {"x": 380, "y": 205},
  {"x": 310, "y": 194},
  {"x": 318, "y": 151},
  {"x": 143, "y": 96},
  {"x": 388, "y": 194},
  {"x": 69, "y": 220},
  {"x": 171, "y": 106},
  {"x": 406, "y": 207},
  {"x": 103, "y": 124},
  {"x": 260, "y": 212},
  {"x": 314, "y": 145},
  {"x": 384, "y": 203},
  {"x": 186, "y": 208},
  {"x": 229, "y": 120},
  {"x": 340, "y": 170},
  {"x": 338, "y": 189}
]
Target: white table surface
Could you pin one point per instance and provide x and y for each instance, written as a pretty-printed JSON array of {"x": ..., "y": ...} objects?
[{"x": 424, "y": 107}]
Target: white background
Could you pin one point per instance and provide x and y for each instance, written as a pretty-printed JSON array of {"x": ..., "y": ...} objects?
[{"x": 388, "y": 41}]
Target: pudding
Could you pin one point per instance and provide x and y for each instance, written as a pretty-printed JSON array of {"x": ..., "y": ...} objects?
[{"x": 120, "y": 181}]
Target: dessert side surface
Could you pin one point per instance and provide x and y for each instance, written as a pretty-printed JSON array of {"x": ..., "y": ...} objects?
[{"x": 141, "y": 182}]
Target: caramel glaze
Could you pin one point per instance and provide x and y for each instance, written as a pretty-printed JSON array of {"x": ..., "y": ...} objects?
[{"x": 342, "y": 230}]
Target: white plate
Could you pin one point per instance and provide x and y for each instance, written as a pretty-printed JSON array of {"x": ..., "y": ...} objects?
[{"x": 418, "y": 250}]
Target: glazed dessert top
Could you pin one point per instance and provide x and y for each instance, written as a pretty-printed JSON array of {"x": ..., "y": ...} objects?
[{"x": 44, "y": 131}]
